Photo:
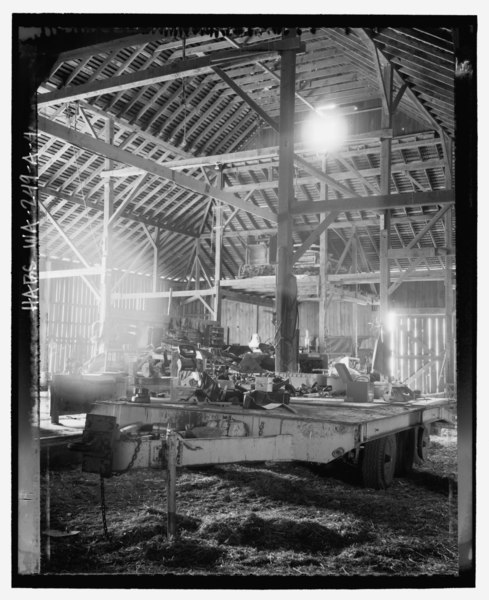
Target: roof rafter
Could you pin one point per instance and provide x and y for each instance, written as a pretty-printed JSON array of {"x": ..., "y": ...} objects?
[
  {"x": 107, "y": 150},
  {"x": 382, "y": 202},
  {"x": 172, "y": 70}
]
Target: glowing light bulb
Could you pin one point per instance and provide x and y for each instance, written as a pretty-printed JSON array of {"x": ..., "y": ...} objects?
[{"x": 326, "y": 133}]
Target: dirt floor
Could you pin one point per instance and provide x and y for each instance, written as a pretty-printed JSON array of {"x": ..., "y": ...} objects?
[{"x": 267, "y": 519}]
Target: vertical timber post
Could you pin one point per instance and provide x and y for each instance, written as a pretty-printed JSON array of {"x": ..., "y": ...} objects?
[
  {"x": 197, "y": 264},
  {"x": 354, "y": 249},
  {"x": 450, "y": 371},
  {"x": 217, "y": 269},
  {"x": 449, "y": 308},
  {"x": 450, "y": 377},
  {"x": 286, "y": 288},
  {"x": 385, "y": 178},
  {"x": 106, "y": 246},
  {"x": 171, "y": 484},
  {"x": 155, "y": 260},
  {"x": 323, "y": 270}
]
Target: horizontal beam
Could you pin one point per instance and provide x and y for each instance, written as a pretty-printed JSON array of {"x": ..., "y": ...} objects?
[
  {"x": 374, "y": 277},
  {"x": 382, "y": 202},
  {"x": 58, "y": 274},
  {"x": 265, "y": 284},
  {"x": 170, "y": 294},
  {"x": 429, "y": 311},
  {"x": 359, "y": 174},
  {"x": 263, "y": 153},
  {"x": 247, "y": 298},
  {"x": 417, "y": 253},
  {"x": 301, "y": 227},
  {"x": 168, "y": 72},
  {"x": 106, "y": 150}
]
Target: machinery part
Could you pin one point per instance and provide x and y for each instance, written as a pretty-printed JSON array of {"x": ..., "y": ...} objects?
[
  {"x": 258, "y": 399},
  {"x": 141, "y": 395},
  {"x": 198, "y": 397},
  {"x": 422, "y": 443},
  {"x": 211, "y": 388},
  {"x": 401, "y": 393},
  {"x": 406, "y": 449},
  {"x": 379, "y": 462},
  {"x": 187, "y": 359}
]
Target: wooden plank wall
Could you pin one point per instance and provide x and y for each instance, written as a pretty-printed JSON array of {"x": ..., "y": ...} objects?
[
  {"x": 245, "y": 319},
  {"x": 418, "y": 294},
  {"x": 339, "y": 320},
  {"x": 418, "y": 345},
  {"x": 67, "y": 320},
  {"x": 418, "y": 335}
]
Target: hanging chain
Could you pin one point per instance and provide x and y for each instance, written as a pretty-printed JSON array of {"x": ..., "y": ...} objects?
[
  {"x": 133, "y": 459},
  {"x": 103, "y": 506}
]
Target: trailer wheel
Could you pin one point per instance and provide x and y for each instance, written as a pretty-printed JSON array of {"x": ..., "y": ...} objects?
[
  {"x": 379, "y": 462},
  {"x": 406, "y": 449},
  {"x": 422, "y": 444}
]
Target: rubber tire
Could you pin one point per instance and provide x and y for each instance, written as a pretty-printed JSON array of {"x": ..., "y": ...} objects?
[
  {"x": 406, "y": 449},
  {"x": 422, "y": 444},
  {"x": 379, "y": 462}
]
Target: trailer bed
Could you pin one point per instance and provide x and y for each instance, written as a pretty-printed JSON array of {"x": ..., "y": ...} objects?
[
  {"x": 332, "y": 411},
  {"x": 304, "y": 430}
]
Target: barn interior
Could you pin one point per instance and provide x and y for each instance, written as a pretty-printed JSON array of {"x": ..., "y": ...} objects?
[{"x": 254, "y": 218}]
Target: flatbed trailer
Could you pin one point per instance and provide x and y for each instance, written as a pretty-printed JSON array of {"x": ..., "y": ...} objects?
[{"x": 383, "y": 439}]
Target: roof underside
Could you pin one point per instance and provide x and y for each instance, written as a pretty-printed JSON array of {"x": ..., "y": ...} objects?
[{"x": 193, "y": 121}]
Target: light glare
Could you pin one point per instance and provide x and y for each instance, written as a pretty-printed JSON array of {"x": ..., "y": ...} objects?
[{"x": 326, "y": 133}]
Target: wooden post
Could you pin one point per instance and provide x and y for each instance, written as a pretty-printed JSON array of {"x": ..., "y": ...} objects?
[
  {"x": 385, "y": 177},
  {"x": 354, "y": 250},
  {"x": 171, "y": 484},
  {"x": 197, "y": 264},
  {"x": 286, "y": 288},
  {"x": 106, "y": 246},
  {"x": 323, "y": 270},
  {"x": 450, "y": 371},
  {"x": 155, "y": 260},
  {"x": 450, "y": 377},
  {"x": 217, "y": 269}
]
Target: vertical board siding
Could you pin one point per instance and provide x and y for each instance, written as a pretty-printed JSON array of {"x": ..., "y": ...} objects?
[
  {"x": 418, "y": 348},
  {"x": 339, "y": 320},
  {"x": 241, "y": 319},
  {"x": 244, "y": 319},
  {"x": 72, "y": 311},
  {"x": 265, "y": 324},
  {"x": 419, "y": 294}
]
